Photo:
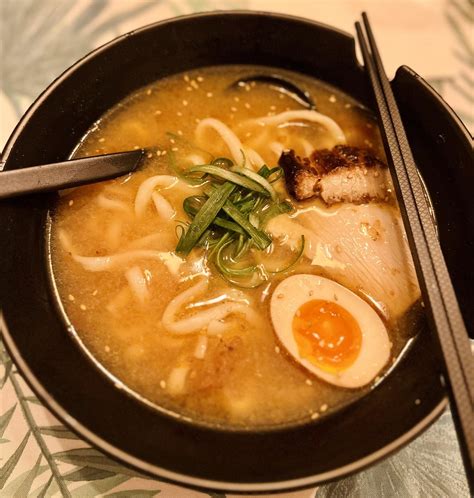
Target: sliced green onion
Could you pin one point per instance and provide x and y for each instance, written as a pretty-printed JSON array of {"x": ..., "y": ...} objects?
[
  {"x": 257, "y": 179},
  {"x": 293, "y": 263},
  {"x": 180, "y": 173},
  {"x": 205, "y": 217},
  {"x": 261, "y": 239},
  {"x": 243, "y": 250},
  {"x": 193, "y": 204},
  {"x": 229, "y": 271},
  {"x": 229, "y": 176}
]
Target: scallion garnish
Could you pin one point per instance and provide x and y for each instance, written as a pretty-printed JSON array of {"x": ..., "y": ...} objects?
[{"x": 228, "y": 218}]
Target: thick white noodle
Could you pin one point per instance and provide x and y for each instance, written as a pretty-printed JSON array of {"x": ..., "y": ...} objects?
[
  {"x": 113, "y": 233},
  {"x": 112, "y": 204},
  {"x": 145, "y": 190},
  {"x": 200, "y": 321},
  {"x": 305, "y": 115},
  {"x": 276, "y": 147},
  {"x": 217, "y": 327},
  {"x": 164, "y": 241},
  {"x": 177, "y": 379},
  {"x": 138, "y": 284},
  {"x": 307, "y": 147},
  {"x": 230, "y": 138},
  {"x": 105, "y": 263},
  {"x": 201, "y": 347},
  {"x": 65, "y": 241},
  {"x": 163, "y": 207},
  {"x": 256, "y": 159}
]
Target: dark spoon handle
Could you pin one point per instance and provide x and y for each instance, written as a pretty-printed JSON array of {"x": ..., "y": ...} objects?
[{"x": 67, "y": 174}]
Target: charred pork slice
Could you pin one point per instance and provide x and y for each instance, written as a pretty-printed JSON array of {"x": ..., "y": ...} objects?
[{"x": 343, "y": 174}]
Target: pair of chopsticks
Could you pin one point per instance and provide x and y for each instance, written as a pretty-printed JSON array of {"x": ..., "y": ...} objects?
[{"x": 438, "y": 294}]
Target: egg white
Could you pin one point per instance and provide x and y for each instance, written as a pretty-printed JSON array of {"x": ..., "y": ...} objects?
[{"x": 294, "y": 291}]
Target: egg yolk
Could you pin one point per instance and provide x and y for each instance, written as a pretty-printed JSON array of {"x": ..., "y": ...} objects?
[{"x": 327, "y": 335}]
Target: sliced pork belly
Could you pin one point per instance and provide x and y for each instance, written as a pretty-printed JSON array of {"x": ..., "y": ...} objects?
[
  {"x": 363, "y": 247},
  {"x": 343, "y": 174}
]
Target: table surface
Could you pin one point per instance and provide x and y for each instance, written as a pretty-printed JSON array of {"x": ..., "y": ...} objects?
[{"x": 41, "y": 38}]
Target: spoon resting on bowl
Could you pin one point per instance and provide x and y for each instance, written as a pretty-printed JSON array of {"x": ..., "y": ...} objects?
[{"x": 72, "y": 173}]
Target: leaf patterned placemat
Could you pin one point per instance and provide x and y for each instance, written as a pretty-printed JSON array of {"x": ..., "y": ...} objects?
[{"x": 39, "y": 457}]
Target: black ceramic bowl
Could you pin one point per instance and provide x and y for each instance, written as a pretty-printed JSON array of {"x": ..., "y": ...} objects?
[{"x": 85, "y": 399}]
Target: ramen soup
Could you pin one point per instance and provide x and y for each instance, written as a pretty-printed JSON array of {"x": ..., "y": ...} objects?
[{"x": 254, "y": 270}]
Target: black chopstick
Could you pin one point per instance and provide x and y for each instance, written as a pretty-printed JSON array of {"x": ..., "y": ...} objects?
[
  {"x": 67, "y": 174},
  {"x": 438, "y": 294}
]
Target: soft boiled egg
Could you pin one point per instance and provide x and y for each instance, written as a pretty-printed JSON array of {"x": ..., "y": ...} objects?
[{"x": 329, "y": 330}]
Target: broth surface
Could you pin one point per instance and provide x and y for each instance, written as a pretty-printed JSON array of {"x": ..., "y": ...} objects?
[{"x": 245, "y": 377}]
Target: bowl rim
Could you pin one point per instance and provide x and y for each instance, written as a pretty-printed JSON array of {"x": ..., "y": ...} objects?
[{"x": 114, "y": 451}]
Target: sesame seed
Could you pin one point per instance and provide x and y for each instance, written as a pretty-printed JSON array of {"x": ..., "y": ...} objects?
[
  {"x": 314, "y": 416},
  {"x": 197, "y": 120},
  {"x": 323, "y": 408},
  {"x": 272, "y": 107},
  {"x": 209, "y": 94},
  {"x": 95, "y": 292},
  {"x": 148, "y": 92},
  {"x": 248, "y": 134},
  {"x": 309, "y": 382},
  {"x": 163, "y": 384},
  {"x": 185, "y": 102},
  {"x": 101, "y": 140},
  {"x": 200, "y": 79},
  {"x": 194, "y": 84},
  {"x": 186, "y": 78},
  {"x": 179, "y": 113},
  {"x": 71, "y": 297},
  {"x": 107, "y": 349},
  {"x": 332, "y": 98},
  {"x": 174, "y": 149},
  {"x": 347, "y": 106},
  {"x": 71, "y": 202},
  {"x": 417, "y": 401},
  {"x": 277, "y": 350},
  {"x": 247, "y": 105},
  {"x": 233, "y": 109},
  {"x": 83, "y": 307},
  {"x": 157, "y": 113},
  {"x": 172, "y": 140},
  {"x": 158, "y": 153},
  {"x": 189, "y": 88},
  {"x": 163, "y": 152},
  {"x": 180, "y": 133},
  {"x": 237, "y": 99},
  {"x": 136, "y": 147},
  {"x": 149, "y": 155}
]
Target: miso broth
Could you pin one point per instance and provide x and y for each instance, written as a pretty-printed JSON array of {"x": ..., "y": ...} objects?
[{"x": 117, "y": 270}]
